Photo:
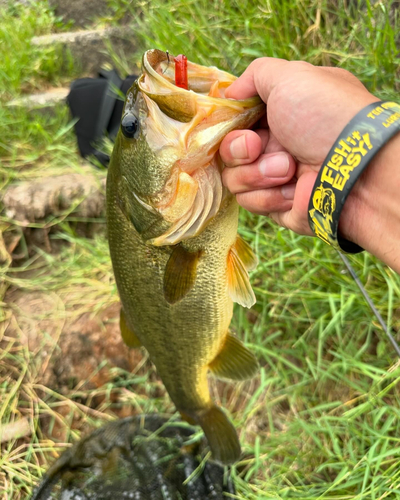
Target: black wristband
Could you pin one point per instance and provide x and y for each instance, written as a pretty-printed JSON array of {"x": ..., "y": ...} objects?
[{"x": 355, "y": 147}]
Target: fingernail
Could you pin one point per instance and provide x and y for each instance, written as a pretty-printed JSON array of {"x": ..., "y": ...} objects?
[
  {"x": 238, "y": 148},
  {"x": 288, "y": 191},
  {"x": 276, "y": 165}
]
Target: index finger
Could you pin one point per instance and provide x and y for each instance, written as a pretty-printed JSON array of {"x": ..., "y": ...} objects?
[
  {"x": 259, "y": 78},
  {"x": 248, "y": 146}
]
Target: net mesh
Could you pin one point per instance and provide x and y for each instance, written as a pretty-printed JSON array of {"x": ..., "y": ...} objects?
[{"x": 143, "y": 457}]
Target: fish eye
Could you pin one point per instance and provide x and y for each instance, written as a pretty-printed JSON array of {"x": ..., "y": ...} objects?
[{"x": 130, "y": 126}]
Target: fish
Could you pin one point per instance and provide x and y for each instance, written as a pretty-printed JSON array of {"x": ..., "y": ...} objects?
[{"x": 178, "y": 261}]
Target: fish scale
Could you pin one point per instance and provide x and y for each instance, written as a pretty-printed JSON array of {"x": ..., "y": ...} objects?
[
  {"x": 177, "y": 287},
  {"x": 197, "y": 324}
]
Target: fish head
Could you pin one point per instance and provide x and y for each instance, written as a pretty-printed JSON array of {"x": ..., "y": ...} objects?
[{"x": 168, "y": 142}]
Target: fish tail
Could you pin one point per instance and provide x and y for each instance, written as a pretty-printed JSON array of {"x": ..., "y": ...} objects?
[{"x": 221, "y": 435}]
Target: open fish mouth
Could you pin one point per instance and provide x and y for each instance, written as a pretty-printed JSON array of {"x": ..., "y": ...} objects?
[
  {"x": 177, "y": 100},
  {"x": 201, "y": 102},
  {"x": 187, "y": 117},
  {"x": 205, "y": 86}
]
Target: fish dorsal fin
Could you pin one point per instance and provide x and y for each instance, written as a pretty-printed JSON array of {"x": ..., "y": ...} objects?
[
  {"x": 246, "y": 254},
  {"x": 127, "y": 334},
  {"x": 239, "y": 286},
  {"x": 202, "y": 209},
  {"x": 234, "y": 361},
  {"x": 180, "y": 274}
]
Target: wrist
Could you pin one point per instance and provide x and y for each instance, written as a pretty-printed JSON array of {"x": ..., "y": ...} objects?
[{"x": 371, "y": 214}]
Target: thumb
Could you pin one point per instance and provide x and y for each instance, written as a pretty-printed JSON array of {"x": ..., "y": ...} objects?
[{"x": 259, "y": 78}]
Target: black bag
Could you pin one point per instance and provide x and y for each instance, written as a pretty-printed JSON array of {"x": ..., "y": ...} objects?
[{"x": 98, "y": 108}]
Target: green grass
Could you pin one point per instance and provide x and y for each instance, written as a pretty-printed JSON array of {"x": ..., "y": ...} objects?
[
  {"x": 357, "y": 35},
  {"x": 322, "y": 420},
  {"x": 24, "y": 66}
]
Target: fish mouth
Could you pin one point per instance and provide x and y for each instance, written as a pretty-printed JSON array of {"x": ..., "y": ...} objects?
[
  {"x": 158, "y": 83},
  {"x": 185, "y": 127},
  {"x": 206, "y": 85},
  {"x": 203, "y": 107}
]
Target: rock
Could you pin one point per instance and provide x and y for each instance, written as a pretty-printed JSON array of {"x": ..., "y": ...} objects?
[
  {"x": 89, "y": 47},
  {"x": 81, "y": 12},
  {"x": 33, "y": 201},
  {"x": 44, "y": 102}
]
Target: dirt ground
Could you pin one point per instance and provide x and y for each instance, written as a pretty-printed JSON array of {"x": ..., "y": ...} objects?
[{"x": 81, "y": 358}]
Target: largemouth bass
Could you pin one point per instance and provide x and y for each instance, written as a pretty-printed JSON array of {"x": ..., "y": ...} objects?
[{"x": 178, "y": 261}]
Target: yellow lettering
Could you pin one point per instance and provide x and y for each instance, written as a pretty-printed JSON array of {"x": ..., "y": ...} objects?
[
  {"x": 392, "y": 118},
  {"x": 353, "y": 160},
  {"x": 389, "y": 105},
  {"x": 327, "y": 176},
  {"x": 333, "y": 166},
  {"x": 337, "y": 160},
  {"x": 351, "y": 141},
  {"x": 360, "y": 149},
  {"x": 345, "y": 172},
  {"x": 339, "y": 182},
  {"x": 345, "y": 148}
]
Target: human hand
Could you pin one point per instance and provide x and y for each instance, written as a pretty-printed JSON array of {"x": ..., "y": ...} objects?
[{"x": 272, "y": 170}]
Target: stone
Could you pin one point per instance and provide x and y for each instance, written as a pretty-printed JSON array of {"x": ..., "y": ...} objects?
[
  {"x": 81, "y": 12},
  {"x": 33, "y": 201},
  {"x": 89, "y": 47},
  {"x": 44, "y": 102}
]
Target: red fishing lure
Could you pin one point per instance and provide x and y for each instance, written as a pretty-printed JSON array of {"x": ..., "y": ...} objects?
[{"x": 181, "y": 77}]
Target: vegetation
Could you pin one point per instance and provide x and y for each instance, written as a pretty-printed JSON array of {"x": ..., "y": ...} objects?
[{"x": 322, "y": 420}]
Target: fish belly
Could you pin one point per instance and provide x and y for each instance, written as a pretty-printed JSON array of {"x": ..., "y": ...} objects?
[{"x": 184, "y": 338}]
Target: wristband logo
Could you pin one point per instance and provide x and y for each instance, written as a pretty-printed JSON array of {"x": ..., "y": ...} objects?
[
  {"x": 369, "y": 130},
  {"x": 324, "y": 203}
]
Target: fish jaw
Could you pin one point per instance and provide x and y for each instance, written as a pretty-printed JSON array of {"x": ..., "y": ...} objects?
[
  {"x": 183, "y": 129},
  {"x": 192, "y": 121}
]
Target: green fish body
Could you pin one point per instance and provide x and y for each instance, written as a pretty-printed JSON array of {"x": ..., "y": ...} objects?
[{"x": 172, "y": 229}]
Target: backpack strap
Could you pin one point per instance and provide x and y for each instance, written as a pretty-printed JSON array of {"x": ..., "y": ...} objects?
[
  {"x": 96, "y": 104},
  {"x": 109, "y": 99}
]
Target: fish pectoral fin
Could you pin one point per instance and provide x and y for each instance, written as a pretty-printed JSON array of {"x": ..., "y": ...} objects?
[
  {"x": 239, "y": 286},
  {"x": 246, "y": 254},
  {"x": 180, "y": 274},
  {"x": 234, "y": 361},
  {"x": 220, "y": 433},
  {"x": 127, "y": 334}
]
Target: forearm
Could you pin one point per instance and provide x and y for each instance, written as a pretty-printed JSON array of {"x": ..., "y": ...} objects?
[{"x": 371, "y": 215}]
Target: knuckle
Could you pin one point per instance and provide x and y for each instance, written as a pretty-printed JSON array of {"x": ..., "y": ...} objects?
[
  {"x": 226, "y": 181},
  {"x": 302, "y": 65},
  {"x": 260, "y": 61}
]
